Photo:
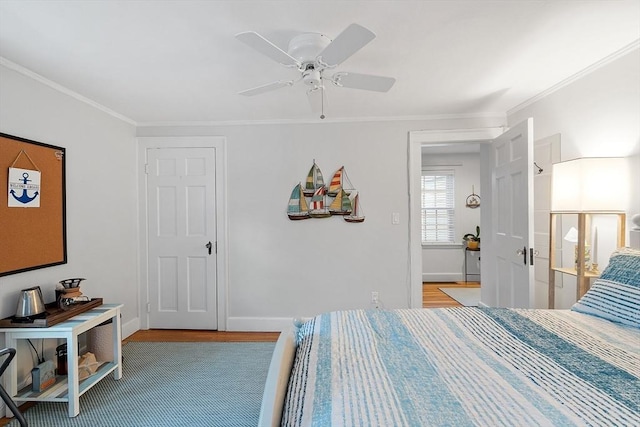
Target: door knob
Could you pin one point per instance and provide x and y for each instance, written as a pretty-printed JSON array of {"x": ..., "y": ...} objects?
[
  {"x": 209, "y": 246},
  {"x": 523, "y": 252}
]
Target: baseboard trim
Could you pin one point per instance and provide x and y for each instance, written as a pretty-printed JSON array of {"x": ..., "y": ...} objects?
[
  {"x": 258, "y": 324},
  {"x": 442, "y": 277},
  {"x": 234, "y": 324},
  {"x": 130, "y": 327}
]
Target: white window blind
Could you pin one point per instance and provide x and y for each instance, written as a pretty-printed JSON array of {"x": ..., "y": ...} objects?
[{"x": 438, "y": 207}]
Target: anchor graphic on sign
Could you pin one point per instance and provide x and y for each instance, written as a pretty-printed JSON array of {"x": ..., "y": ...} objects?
[{"x": 24, "y": 198}]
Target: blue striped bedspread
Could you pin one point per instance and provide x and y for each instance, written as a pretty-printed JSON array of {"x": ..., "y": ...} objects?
[{"x": 464, "y": 367}]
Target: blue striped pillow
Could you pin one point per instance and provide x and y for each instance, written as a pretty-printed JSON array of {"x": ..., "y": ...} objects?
[{"x": 615, "y": 295}]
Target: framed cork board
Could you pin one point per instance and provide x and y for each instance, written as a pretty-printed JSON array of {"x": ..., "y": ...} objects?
[{"x": 33, "y": 230}]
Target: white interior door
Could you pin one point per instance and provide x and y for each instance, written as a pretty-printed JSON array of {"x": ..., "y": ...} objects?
[
  {"x": 512, "y": 216},
  {"x": 181, "y": 252},
  {"x": 546, "y": 152}
]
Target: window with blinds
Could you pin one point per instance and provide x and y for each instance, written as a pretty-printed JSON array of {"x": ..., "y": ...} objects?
[{"x": 438, "y": 208}]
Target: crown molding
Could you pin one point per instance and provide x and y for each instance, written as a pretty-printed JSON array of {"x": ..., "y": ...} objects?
[
  {"x": 590, "y": 69},
  {"x": 41, "y": 79},
  {"x": 498, "y": 115}
]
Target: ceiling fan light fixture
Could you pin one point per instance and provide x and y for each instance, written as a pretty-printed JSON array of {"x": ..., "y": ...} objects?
[{"x": 307, "y": 46}]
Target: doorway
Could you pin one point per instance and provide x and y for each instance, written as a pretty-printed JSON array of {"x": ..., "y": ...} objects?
[
  {"x": 545, "y": 152},
  {"x": 451, "y": 271},
  {"x": 182, "y": 226},
  {"x": 437, "y": 140},
  {"x": 452, "y": 174}
]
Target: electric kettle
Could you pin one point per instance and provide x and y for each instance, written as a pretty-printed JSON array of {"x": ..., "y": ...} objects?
[{"x": 30, "y": 302}]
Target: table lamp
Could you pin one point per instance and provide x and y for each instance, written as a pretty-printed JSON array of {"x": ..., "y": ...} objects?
[{"x": 593, "y": 184}]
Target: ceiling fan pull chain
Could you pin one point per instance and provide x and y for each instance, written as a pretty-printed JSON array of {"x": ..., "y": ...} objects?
[{"x": 322, "y": 102}]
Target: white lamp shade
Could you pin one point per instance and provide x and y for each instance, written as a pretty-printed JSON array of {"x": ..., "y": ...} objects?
[
  {"x": 572, "y": 235},
  {"x": 590, "y": 184}
]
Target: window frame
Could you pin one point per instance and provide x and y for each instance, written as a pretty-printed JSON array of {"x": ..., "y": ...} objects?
[{"x": 449, "y": 207}]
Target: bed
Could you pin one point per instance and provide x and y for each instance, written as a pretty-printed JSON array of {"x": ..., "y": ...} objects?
[{"x": 466, "y": 366}]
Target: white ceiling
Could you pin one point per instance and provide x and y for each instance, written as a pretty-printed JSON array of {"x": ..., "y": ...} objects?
[{"x": 178, "y": 61}]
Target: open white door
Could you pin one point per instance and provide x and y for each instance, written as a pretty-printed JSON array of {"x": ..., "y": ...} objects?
[{"x": 510, "y": 251}]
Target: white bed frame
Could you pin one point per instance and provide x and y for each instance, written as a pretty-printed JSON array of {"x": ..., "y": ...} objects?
[{"x": 275, "y": 388}]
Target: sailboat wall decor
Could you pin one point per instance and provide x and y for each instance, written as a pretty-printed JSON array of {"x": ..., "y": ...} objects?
[
  {"x": 341, "y": 205},
  {"x": 318, "y": 204},
  {"x": 338, "y": 182},
  {"x": 345, "y": 203},
  {"x": 314, "y": 181},
  {"x": 357, "y": 215},
  {"x": 298, "y": 208}
]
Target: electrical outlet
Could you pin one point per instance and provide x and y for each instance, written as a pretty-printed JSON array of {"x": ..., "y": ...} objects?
[{"x": 374, "y": 297}]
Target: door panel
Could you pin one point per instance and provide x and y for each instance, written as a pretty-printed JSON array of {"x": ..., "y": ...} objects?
[
  {"x": 519, "y": 208},
  {"x": 167, "y": 283},
  {"x": 181, "y": 222},
  {"x": 196, "y": 211},
  {"x": 512, "y": 215},
  {"x": 196, "y": 282},
  {"x": 167, "y": 212}
]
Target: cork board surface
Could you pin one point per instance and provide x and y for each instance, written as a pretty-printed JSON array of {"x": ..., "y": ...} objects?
[{"x": 32, "y": 237}]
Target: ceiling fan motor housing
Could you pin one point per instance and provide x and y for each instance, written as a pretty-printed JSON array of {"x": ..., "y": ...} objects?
[{"x": 312, "y": 77}]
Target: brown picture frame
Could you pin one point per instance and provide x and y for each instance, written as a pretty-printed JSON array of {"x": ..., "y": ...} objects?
[{"x": 32, "y": 238}]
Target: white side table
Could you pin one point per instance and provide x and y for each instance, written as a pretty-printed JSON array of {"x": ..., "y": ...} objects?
[
  {"x": 470, "y": 252},
  {"x": 67, "y": 387}
]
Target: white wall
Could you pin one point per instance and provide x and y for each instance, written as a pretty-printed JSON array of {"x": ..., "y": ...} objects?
[
  {"x": 279, "y": 268},
  {"x": 597, "y": 116},
  {"x": 444, "y": 264},
  {"x": 100, "y": 194}
]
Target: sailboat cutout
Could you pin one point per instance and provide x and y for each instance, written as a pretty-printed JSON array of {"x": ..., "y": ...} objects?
[
  {"x": 341, "y": 205},
  {"x": 357, "y": 215},
  {"x": 318, "y": 209},
  {"x": 298, "y": 208},
  {"x": 315, "y": 180},
  {"x": 340, "y": 181}
]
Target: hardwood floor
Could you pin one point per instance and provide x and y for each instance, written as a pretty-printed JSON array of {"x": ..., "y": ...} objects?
[{"x": 433, "y": 297}]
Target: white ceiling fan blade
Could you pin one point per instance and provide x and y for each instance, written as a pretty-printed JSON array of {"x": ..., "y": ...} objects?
[
  {"x": 363, "y": 81},
  {"x": 264, "y": 46},
  {"x": 348, "y": 42},
  {"x": 266, "y": 88},
  {"x": 317, "y": 99}
]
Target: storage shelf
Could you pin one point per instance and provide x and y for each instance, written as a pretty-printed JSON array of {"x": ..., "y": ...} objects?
[
  {"x": 67, "y": 389},
  {"x": 59, "y": 392},
  {"x": 583, "y": 278},
  {"x": 574, "y": 272}
]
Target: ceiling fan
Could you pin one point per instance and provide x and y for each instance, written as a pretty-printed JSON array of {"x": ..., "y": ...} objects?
[{"x": 313, "y": 54}]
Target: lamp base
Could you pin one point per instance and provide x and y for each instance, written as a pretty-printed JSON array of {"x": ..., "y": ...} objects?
[{"x": 587, "y": 257}]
